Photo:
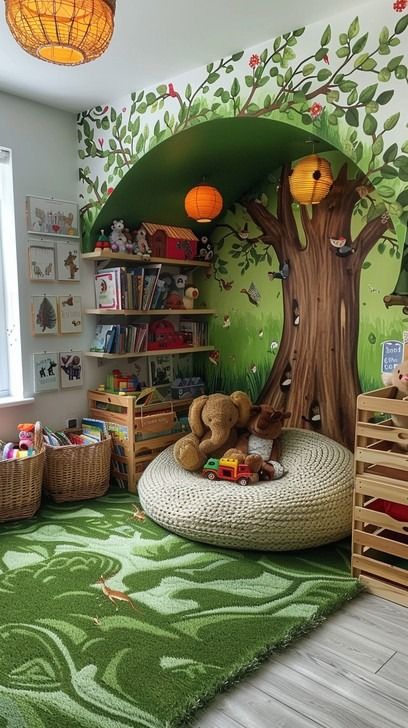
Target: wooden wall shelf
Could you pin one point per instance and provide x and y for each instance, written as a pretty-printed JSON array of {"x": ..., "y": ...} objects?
[
  {"x": 156, "y": 352},
  {"x": 150, "y": 312},
  {"x": 130, "y": 258}
]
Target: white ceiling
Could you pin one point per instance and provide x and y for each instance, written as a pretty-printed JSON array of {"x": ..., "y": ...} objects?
[{"x": 153, "y": 41}]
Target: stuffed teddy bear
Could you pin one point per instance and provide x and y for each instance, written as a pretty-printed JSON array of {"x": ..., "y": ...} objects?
[
  {"x": 190, "y": 294},
  {"x": 213, "y": 420},
  {"x": 259, "y": 447}
]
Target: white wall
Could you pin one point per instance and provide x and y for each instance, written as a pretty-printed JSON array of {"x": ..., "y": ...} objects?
[{"x": 45, "y": 164}]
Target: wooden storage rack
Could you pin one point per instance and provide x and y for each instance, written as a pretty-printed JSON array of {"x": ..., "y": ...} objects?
[
  {"x": 138, "y": 453},
  {"x": 380, "y": 541}
]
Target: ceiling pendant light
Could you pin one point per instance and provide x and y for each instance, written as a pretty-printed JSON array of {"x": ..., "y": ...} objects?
[
  {"x": 66, "y": 32},
  {"x": 203, "y": 203},
  {"x": 310, "y": 181}
]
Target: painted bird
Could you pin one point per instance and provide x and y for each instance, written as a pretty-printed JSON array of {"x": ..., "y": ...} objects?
[
  {"x": 342, "y": 249},
  {"x": 244, "y": 233},
  {"x": 274, "y": 346},
  {"x": 227, "y": 322},
  {"x": 253, "y": 294},
  {"x": 252, "y": 368},
  {"x": 260, "y": 333},
  {"x": 227, "y": 285},
  {"x": 282, "y": 273},
  {"x": 214, "y": 357}
]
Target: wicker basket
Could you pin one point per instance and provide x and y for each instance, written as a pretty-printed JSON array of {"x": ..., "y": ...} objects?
[
  {"x": 20, "y": 483},
  {"x": 77, "y": 472}
]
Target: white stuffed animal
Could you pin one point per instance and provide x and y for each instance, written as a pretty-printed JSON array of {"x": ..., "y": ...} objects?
[{"x": 117, "y": 237}]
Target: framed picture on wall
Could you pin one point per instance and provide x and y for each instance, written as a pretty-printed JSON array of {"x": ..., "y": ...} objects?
[
  {"x": 68, "y": 260},
  {"x": 70, "y": 314},
  {"x": 41, "y": 261},
  {"x": 71, "y": 369},
  {"x": 44, "y": 315},
  {"x": 47, "y": 216},
  {"x": 46, "y": 372}
]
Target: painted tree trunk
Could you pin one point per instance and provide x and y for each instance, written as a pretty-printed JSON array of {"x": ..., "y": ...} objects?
[{"x": 315, "y": 370}]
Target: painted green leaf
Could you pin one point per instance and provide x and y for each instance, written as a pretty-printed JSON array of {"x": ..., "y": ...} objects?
[
  {"x": 306, "y": 119},
  {"x": 372, "y": 107},
  {"x": 371, "y": 337},
  {"x": 353, "y": 29},
  {"x": 323, "y": 74},
  {"x": 381, "y": 248},
  {"x": 308, "y": 69},
  {"x": 391, "y": 121},
  {"x": 298, "y": 32},
  {"x": 352, "y": 117},
  {"x": 277, "y": 57},
  {"x": 368, "y": 93},
  {"x": 404, "y": 147},
  {"x": 400, "y": 72},
  {"x": 220, "y": 91},
  {"x": 210, "y": 67},
  {"x": 352, "y": 97},
  {"x": 267, "y": 101},
  {"x": 342, "y": 52},
  {"x": 321, "y": 53},
  {"x": 228, "y": 69},
  {"x": 389, "y": 172},
  {"x": 369, "y": 124},
  {"x": 235, "y": 88},
  {"x": 288, "y": 54},
  {"x": 141, "y": 109},
  {"x": 384, "y": 97},
  {"x": 384, "y": 74},
  {"x": 386, "y": 191},
  {"x": 358, "y": 152},
  {"x": 401, "y": 161},
  {"x": 332, "y": 119},
  {"x": 105, "y": 123},
  {"x": 188, "y": 92},
  {"x": 401, "y": 25},
  {"x": 394, "y": 42},
  {"x": 264, "y": 55},
  {"x": 140, "y": 96},
  {"x": 213, "y": 77},
  {"x": 403, "y": 198},
  {"x": 87, "y": 128},
  {"x": 384, "y": 35},
  {"x": 326, "y": 37},
  {"x": 384, "y": 50},
  {"x": 368, "y": 65},
  {"x": 394, "y": 62},
  {"x": 378, "y": 146},
  {"x": 161, "y": 89},
  {"x": 347, "y": 86},
  {"x": 150, "y": 98},
  {"x": 237, "y": 56},
  {"x": 225, "y": 97},
  {"x": 360, "y": 44},
  {"x": 366, "y": 265},
  {"x": 332, "y": 96},
  {"x": 390, "y": 153},
  {"x": 112, "y": 144}
]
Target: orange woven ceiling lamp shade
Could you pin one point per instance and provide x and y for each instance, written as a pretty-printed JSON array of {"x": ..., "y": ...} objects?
[
  {"x": 310, "y": 181},
  {"x": 203, "y": 203},
  {"x": 67, "y": 32}
]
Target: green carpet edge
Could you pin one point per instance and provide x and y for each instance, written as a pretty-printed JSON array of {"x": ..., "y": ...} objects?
[{"x": 235, "y": 677}]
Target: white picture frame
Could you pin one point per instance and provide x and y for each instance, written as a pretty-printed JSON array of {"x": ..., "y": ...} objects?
[
  {"x": 48, "y": 216},
  {"x": 68, "y": 260},
  {"x": 161, "y": 370},
  {"x": 70, "y": 314},
  {"x": 41, "y": 261},
  {"x": 46, "y": 372},
  {"x": 71, "y": 369},
  {"x": 44, "y": 312}
]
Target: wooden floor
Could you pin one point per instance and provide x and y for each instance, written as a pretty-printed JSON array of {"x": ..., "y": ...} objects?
[{"x": 351, "y": 672}]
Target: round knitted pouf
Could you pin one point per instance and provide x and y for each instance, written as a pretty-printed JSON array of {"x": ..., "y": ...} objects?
[{"x": 309, "y": 506}]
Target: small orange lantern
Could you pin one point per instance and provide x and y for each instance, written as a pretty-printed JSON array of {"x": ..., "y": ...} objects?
[
  {"x": 310, "y": 181},
  {"x": 203, "y": 203}
]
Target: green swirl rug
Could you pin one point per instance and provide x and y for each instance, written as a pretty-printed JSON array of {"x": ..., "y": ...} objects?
[{"x": 191, "y": 620}]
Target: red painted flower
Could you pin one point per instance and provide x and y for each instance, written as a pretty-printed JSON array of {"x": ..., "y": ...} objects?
[
  {"x": 110, "y": 190},
  {"x": 254, "y": 61},
  {"x": 315, "y": 110},
  {"x": 326, "y": 58},
  {"x": 399, "y": 6},
  {"x": 104, "y": 110},
  {"x": 172, "y": 91},
  {"x": 124, "y": 109},
  {"x": 100, "y": 142}
]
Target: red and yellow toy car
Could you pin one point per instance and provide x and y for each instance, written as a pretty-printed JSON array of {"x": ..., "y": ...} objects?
[{"x": 228, "y": 469}]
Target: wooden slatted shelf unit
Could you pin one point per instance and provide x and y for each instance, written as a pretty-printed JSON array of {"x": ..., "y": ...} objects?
[
  {"x": 380, "y": 537},
  {"x": 146, "y": 431}
]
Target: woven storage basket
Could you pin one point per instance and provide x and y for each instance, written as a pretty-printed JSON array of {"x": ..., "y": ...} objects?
[
  {"x": 20, "y": 483},
  {"x": 77, "y": 472}
]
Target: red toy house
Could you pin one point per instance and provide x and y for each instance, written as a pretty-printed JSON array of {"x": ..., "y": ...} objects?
[
  {"x": 162, "y": 335},
  {"x": 170, "y": 242}
]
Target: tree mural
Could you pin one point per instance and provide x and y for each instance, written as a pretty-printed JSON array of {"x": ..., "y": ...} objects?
[{"x": 339, "y": 92}]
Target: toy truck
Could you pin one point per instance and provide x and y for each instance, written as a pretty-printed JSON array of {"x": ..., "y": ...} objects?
[{"x": 227, "y": 469}]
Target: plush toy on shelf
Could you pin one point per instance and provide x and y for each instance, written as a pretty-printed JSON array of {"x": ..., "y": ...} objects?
[
  {"x": 398, "y": 379},
  {"x": 141, "y": 246},
  {"x": 118, "y": 238},
  {"x": 190, "y": 294},
  {"x": 259, "y": 447}
]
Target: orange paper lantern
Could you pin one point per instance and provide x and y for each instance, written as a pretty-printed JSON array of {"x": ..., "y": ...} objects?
[
  {"x": 203, "y": 203},
  {"x": 310, "y": 181},
  {"x": 67, "y": 32}
]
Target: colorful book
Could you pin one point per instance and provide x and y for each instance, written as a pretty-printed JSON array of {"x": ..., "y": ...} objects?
[{"x": 107, "y": 289}]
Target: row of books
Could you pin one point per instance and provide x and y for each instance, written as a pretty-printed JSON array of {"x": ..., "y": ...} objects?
[
  {"x": 134, "y": 338},
  {"x": 139, "y": 288},
  {"x": 92, "y": 431}
]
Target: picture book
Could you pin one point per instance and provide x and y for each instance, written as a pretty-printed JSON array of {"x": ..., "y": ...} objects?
[
  {"x": 107, "y": 288},
  {"x": 101, "y": 338}
]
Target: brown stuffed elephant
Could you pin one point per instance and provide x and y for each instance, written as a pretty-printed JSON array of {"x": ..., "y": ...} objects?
[{"x": 213, "y": 420}]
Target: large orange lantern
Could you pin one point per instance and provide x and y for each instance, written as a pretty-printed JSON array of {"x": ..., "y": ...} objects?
[
  {"x": 67, "y": 32},
  {"x": 203, "y": 203},
  {"x": 310, "y": 181}
]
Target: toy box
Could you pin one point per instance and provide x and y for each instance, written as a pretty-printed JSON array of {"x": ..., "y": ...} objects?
[{"x": 166, "y": 241}]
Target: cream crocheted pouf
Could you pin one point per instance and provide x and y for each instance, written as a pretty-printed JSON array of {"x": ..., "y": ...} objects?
[{"x": 309, "y": 506}]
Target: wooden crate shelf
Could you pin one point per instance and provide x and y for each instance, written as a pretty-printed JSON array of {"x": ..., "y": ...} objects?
[
  {"x": 380, "y": 536},
  {"x": 145, "y": 431}
]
